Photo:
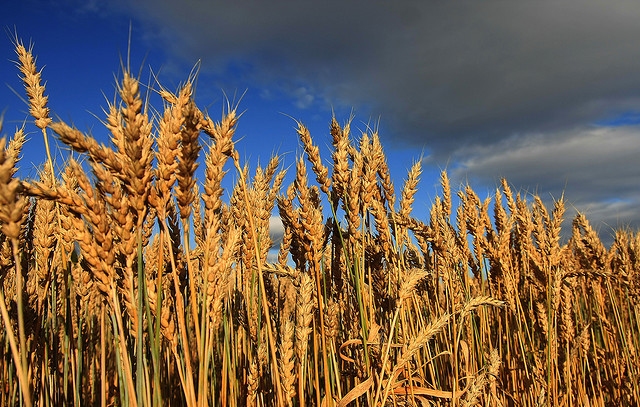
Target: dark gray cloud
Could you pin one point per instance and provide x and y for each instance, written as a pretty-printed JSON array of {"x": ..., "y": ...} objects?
[
  {"x": 439, "y": 73},
  {"x": 495, "y": 88}
]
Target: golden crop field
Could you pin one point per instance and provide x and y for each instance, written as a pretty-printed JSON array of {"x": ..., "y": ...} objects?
[{"x": 124, "y": 280}]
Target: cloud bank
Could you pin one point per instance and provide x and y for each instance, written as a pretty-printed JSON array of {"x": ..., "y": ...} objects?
[{"x": 495, "y": 88}]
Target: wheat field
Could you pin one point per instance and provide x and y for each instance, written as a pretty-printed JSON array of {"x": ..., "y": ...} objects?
[{"x": 126, "y": 280}]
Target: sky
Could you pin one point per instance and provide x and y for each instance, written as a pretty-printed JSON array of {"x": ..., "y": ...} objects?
[{"x": 544, "y": 93}]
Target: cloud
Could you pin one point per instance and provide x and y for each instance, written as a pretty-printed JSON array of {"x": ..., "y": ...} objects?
[
  {"x": 440, "y": 74},
  {"x": 276, "y": 231},
  {"x": 593, "y": 167},
  {"x": 304, "y": 98},
  {"x": 494, "y": 88}
]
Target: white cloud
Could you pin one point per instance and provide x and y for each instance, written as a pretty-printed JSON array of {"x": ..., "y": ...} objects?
[
  {"x": 276, "y": 230},
  {"x": 304, "y": 98}
]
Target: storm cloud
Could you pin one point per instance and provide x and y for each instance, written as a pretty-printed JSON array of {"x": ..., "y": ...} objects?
[
  {"x": 442, "y": 73},
  {"x": 527, "y": 90}
]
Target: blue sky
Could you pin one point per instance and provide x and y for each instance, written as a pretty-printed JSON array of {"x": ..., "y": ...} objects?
[{"x": 546, "y": 94}]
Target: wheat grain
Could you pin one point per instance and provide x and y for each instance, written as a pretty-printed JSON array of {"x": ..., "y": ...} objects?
[
  {"x": 304, "y": 317},
  {"x": 187, "y": 158},
  {"x": 370, "y": 190},
  {"x": 167, "y": 151},
  {"x": 383, "y": 170},
  {"x": 313, "y": 155},
  {"x": 12, "y": 206},
  {"x": 409, "y": 284},
  {"x": 44, "y": 240},
  {"x": 32, "y": 79},
  {"x": 409, "y": 190},
  {"x": 287, "y": 360},
  {"x": 340, "y": 175},
  {"x": 352, "y": 203}
]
